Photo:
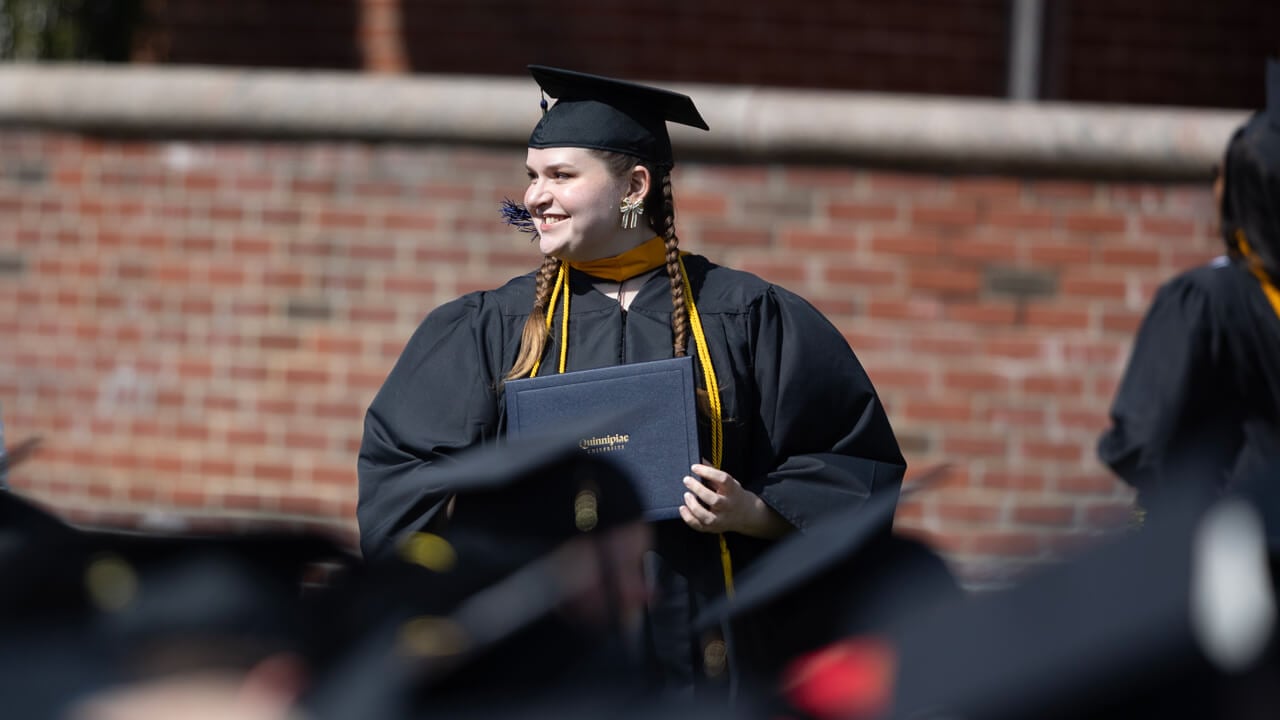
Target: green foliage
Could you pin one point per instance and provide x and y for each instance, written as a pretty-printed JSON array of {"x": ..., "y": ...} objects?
[{"x": 68, "y": 29}]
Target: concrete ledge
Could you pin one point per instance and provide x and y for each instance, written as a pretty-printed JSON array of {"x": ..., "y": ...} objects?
[{"x": 747, "y": 122}]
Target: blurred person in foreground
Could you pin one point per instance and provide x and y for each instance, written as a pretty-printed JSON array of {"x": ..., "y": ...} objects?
[
  {"x": 1178, "y": 620},
  {"x": 532, "y": 599},
  {"x": 105, "y": 624},
  {"x": 1200, "y": 397}
]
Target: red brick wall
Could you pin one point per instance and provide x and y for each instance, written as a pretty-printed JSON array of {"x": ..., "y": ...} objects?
[
  {"x": 263, "y": 33},
  {"x": 199, "y": 325},
  {"x": 925, "y": 46},
  {"x": 1186, "y": 52}
]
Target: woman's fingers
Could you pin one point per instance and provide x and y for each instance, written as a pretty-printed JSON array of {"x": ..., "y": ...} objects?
[
  {"x": 710, "y": 498},
  {"x": 713, "y": 502},
  {"x": 692, "y": 521},
  {"x": 701, "y": 512},
  {"x": 715, "y": 478}
]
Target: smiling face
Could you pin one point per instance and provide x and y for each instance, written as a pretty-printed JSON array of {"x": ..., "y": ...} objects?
[{"x": 573, "y": 198}]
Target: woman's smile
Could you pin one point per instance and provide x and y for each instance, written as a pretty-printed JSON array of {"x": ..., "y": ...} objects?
[{"x": 548, "y": 219}]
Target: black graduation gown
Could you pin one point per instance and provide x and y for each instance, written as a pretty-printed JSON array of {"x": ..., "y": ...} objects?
[
  {"x": 804, "y": 428},
  {"x": 1200, "y": 399}
]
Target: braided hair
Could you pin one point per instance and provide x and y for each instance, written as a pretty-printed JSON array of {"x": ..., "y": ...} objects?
[
  {"x": 679, "y": 312},
  {"x": 533, "y": 339}
]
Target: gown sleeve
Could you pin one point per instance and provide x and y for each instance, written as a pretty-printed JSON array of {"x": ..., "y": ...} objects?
[
  {"x": 1166, "y": 418},
  {"x": 827, "y": 430},
  {"x": 439, "y": 398}
]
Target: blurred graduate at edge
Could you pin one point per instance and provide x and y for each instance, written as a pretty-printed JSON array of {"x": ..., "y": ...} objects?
[{"x": 1200, "y": 400}]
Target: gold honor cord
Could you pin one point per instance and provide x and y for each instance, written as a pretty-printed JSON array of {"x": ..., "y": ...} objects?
[
  {"x": 564, "y": 317},
  {"x": 1255, "y": 267},
  {"x": 717, "y": 416},
  {"x": 708, "y": 374},
  {"x": 564, "y": 325}
]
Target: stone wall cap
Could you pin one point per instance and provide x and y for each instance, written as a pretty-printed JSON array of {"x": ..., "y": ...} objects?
[{"x": 748, "y": 123}]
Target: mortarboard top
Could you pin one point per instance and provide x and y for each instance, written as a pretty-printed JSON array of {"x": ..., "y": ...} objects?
[
  {"x": 478, "y": 606},
  {"x": 111, "y": 608},
  {"x": 540, "y": 487},
  {"x": 1116, "y": 632},
  {"x": 803, "y": 556},
  {"x": 844, "y": 574},
  {"x": 39, "y": 584},
  {"x": 513, "y": 502},
  {"x": 136, "y": 589},
  {"x": 21, "y": 519},
  {"x": 602, "y": 113},
  {"x": 157, "y": 586}
]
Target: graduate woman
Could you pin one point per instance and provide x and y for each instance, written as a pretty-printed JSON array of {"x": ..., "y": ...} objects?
[{"x": 791, "y": 426}]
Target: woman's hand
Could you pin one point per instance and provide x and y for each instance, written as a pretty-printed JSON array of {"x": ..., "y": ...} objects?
[{"x": 716, "y": 502}]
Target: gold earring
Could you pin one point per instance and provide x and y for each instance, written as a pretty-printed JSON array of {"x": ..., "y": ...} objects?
[{"x": 631, "y": 212}]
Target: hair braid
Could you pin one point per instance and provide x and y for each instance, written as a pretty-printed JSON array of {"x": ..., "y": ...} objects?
[
  {"x": 665, "y": 225},
  {"x": 533, "y": 339},
  {"x": 546, "y": 278},
  {"x": 679, "y": 313}
]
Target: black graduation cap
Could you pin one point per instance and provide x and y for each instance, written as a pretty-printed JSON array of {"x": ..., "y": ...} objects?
[
  {"x": 541, "y": 488},
  {"x": 477, "y": 607},
  {"x": 38, "y": 585},
  {"x": 514, "y": 503},
  {"x": 506, "y": 652},
  {"x": 509, "y": 503},
  {"x": 23, "y": 520},
  {"x": 843, "y": 575},
  {"x": 227, "y": 598},
  {"x": 602, "y": 113},
  {"x": 115, "y": 608},
  {"x": 1137, "y": 627}
]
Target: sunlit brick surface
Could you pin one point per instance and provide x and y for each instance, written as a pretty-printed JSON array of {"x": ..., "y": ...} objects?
[{"x": 196, "y": 326}]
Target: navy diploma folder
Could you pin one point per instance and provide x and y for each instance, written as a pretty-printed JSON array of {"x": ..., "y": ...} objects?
[{"x": 651, "y": 429}]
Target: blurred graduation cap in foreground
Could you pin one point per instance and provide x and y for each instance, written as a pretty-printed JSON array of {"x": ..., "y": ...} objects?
[
  {"x": 517, "y": 500},
  {"x": 22, "y": 521},
  {"x": 844, "y": 575},
  {"x": 92, "y": 613},
  {"x": 530, "y": 587},
  {"x": 1174, "y": 620}
]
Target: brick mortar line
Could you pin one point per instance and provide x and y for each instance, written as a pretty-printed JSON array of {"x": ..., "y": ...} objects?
[{"x": 748, "y": 122}]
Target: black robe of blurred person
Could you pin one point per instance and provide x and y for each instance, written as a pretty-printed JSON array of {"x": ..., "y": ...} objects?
[
  {"x": 1200, "y": 399},
  {"x": 803, "y": 426}
]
